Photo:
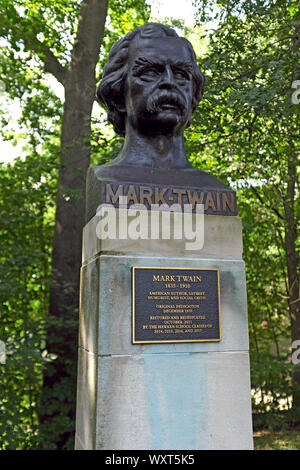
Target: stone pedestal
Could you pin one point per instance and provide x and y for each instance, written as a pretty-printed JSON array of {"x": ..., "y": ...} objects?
[{"x": 192, "y": 395}]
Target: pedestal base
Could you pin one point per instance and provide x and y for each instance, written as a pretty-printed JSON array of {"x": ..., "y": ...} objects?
[{"x": 162, "y": 395}]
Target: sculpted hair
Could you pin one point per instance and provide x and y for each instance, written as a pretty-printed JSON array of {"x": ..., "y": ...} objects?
[{"x": 110, "y": 91}]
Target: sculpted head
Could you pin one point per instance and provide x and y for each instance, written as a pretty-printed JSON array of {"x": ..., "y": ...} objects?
[{"x": 151, "y": 82}]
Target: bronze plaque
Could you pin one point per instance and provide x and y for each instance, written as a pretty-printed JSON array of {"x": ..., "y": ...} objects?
[{"x": 175, "y": 305}]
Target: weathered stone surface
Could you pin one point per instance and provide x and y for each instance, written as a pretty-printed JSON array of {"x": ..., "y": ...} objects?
[
  {"x": 164, "y": 395},
  {"x": 171, "y": 401},
  {"x": 105, "y": 326},
  {"x": 222, "y": 237},
  {"x": 87, "y": 400}
]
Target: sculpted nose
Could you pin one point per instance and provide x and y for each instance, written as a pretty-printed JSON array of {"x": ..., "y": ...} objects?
[{"x": 167, "y": 79}]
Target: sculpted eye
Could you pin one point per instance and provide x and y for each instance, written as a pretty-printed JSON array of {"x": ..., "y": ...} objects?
[
  {"x": 180, "y": 74},
  {"x": 149, "y": 73}
]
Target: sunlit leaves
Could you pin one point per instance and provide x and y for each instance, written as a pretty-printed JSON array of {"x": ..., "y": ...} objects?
[{"x": 245, "y": 132}]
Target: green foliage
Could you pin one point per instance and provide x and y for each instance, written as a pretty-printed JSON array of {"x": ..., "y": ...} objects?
[
  {"x": 30, "y": 32},
  {"x": 52, "y": 23},
  {"x": 245, "y": 132},
  {"x": 284, "y": 440},
  {"x": 26, "y": 205},
  {"x": 269, "y": 323}
]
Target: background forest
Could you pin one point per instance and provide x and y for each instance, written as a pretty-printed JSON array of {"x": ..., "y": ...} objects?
[{"x": 245, "y": 132}]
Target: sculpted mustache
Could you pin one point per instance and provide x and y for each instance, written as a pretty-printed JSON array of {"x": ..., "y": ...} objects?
[{"x": 156, "y": 101}]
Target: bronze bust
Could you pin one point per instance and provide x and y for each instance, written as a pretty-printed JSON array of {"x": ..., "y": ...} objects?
[{"x": 151, "y": 85}]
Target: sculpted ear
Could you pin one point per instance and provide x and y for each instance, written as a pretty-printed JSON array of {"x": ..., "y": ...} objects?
[
  {"x": 117, "y": 95},
  {"x": 110, "y": 93}
]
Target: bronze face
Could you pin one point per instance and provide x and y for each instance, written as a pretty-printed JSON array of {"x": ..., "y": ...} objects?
[{"x": 159, "y": 86}]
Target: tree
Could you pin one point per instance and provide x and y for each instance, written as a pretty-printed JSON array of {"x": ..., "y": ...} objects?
[
  {"x": 79, "y": 82},
  {"x": 248, "y": 131},
  {"x": 27, "y": 202}
]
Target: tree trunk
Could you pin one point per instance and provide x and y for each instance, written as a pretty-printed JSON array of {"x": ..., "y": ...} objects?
[
  {"x": 57, "y": 411},
  {"x": 292, "y": 265}
]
